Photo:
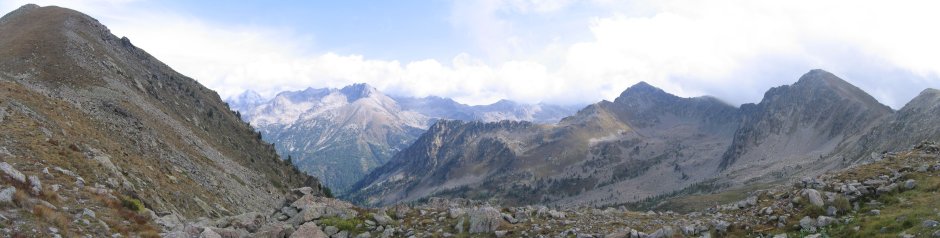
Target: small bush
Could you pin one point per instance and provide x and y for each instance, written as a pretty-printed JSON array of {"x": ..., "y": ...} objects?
[
  {"x": 132, "y": 203},
  {"x": 812, "y": 210},
  {"x": 842, "y": 204}
]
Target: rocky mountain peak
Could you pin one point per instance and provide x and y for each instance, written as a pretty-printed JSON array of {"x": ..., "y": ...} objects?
[
  {"x": 21, "y": 10},
  {"x": 245, "y": 99},
  {"x": 642, "y": 89},
  {"x": 360, "y": 90},
  {"x": 929, "y": 98}
]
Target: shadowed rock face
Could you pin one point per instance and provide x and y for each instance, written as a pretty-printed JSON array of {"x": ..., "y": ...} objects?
[
  {"x": 648, "y": 143},
  {"x": 811, "y": 117},
  {"x": 915, "y": 122},
  {"x": 120, "y": 118}
]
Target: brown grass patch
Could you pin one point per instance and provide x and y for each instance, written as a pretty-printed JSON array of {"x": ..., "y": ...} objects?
[
  {"x": 21, "y": 198},
  {"x": 52, "y": 216}
]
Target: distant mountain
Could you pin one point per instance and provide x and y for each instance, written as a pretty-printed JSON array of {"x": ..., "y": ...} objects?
[
  {"x": 643, "y": 143},
  {"x": 648, "y": 143},
  {"x": 342, "y": 134},
  {"x": 96, "y": 122},
  {"x": 801, "y": 123}
]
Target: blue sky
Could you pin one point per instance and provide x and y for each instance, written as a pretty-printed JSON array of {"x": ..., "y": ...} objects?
[{"x": 554, "y": 51}]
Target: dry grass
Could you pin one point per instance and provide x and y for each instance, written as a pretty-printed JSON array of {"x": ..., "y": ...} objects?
[
  {"x": 21, "y": 198},
  {"x": 140, "y": 223},
  {"x": 53, "y": 217}
]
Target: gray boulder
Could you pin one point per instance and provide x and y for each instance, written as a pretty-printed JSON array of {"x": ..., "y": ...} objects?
[
  {"x": 931, "y": 223},
  {"x": 12, "y": 172},
  {"x": 484, "y": 219},
  {"x": 824, "y": 221},
  {"x": 721, "y": 226},
  {"x": 814, "y": 197},
  {"x": 209, "y": 233},
  {"x": 664, "y": 232},
  {"x": 382, "y": 219},
  {"x": 6, "y": 195},
  {"x": 308, "y": 230},
  {"x": 910, "y": 184},
  {"x": 35, "y": 186},
  {"x": 808, "y": 224}
]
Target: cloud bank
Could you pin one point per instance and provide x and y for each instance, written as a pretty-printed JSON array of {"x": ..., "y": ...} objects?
[{"x": 569, "y": 52}]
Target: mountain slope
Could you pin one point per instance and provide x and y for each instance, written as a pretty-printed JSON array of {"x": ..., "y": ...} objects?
[
  {"x": 913, "y": 123},
  {"x": 802, "y": 122},
  {"x": 340, "y": 135},
  {"x": 77, "y": 98},
  {"x": 625, "y": 147}
]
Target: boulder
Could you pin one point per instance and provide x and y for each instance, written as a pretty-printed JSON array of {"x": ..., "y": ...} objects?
[
  {"x": 331, "y": 230},
  {"x": 6, "y": 195},
  {"x": 11, "y": 172},
  {"x": 664, "y": 232},
  {"x": 824, "y": 221},
  {"x": 484, "y": 219},
  {"x": 832, "y": 211},
  {"x": 619, "y": 234},
  {"x": 721, "y": 226},
  {"x": 808, "y": 224},
  {"x": 382, "y": 219},
  {"x": 308, "y": 230},
  {"x": 251, "y": 221},
  {"x": 814, "y": 197},
  {"x": 931, "y": 223},
  {"x": 302, "y": 191},
  {"x": 209, "y": 233},
  {"x": 275, "y": 231},
  {"x": 509, "y": 218},
  {"x": 556, "y": 214},
  {"x": 909, "y": 184},
  {"x": 887, "y": 188},
  {"x": 289, "y": 211},
  {"x": 750, "y": 201}
]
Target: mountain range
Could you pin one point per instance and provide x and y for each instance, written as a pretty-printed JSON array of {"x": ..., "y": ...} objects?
[
  {"x": 340, "y": 135},
  {"x": 648, "y": 143},
  {"x": 101, "y": 139}
]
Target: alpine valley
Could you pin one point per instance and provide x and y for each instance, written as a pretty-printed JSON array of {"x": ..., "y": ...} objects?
[{"x": 100, "y": 139}]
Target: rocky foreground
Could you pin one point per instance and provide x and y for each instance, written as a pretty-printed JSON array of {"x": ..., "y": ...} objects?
[{"x": 895, "y": 196}]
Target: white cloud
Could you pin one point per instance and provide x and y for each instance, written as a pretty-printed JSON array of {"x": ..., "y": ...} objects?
[{"x": 733, "y": 49}]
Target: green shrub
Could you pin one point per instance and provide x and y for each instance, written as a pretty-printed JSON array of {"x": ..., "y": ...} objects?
[
  {"x": 342, "y": 224},
  {"x": 132, "y": 203},
  {"x": 842, "y": 204}
]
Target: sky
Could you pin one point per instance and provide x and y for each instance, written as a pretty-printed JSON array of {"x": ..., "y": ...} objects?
[{"x": 551, "y": 51}]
